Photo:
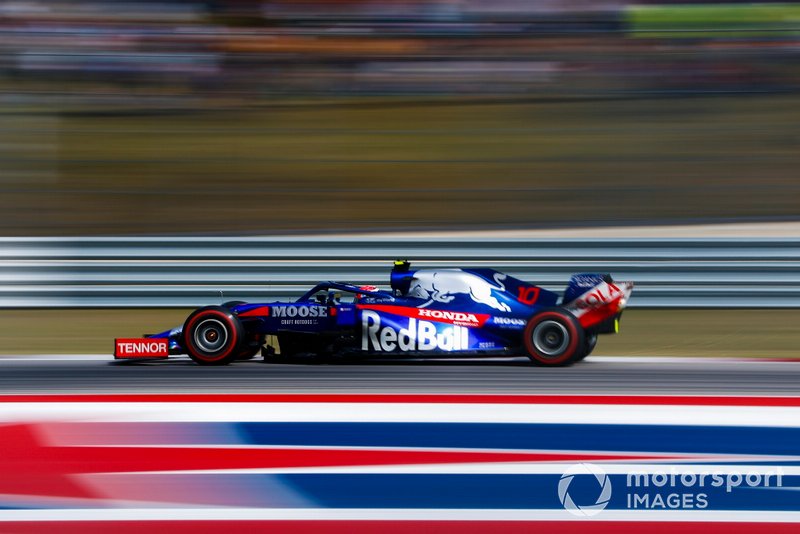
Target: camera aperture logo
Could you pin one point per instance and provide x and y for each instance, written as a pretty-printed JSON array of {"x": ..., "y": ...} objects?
[{"x": 582, "y": 471}]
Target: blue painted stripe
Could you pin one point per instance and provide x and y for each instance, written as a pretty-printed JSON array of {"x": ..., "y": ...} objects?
[
  {"x": 525, "y": 492},
  {"x": 471, "y": 491},
  {"x": 643, "y": 438},
  {"x": 466, "y": 491}
]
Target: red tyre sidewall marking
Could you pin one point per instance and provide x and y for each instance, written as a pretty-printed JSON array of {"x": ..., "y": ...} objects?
[
  {"x": 226, "y": 320},
  {"x": 571, "y": 348}
]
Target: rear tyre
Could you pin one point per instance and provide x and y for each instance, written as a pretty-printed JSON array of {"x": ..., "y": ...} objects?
[
  {"x": 589, "y": 343},
  {"x": 213, "y": 336},
  {"x": 554, "y": 338}
]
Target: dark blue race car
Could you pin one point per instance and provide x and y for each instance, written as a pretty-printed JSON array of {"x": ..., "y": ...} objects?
[{"x": 428, "y": 312}]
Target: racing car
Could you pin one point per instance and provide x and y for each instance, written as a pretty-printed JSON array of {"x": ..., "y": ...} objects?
[{"x": 427, "y": 313}]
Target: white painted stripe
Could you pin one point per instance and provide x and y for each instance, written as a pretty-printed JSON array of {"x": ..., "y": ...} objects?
[
  {"x": 685, "y": 360},
  {"x": 57, "y": 358},
  {"x": 508, "y": 468},
  {"x": 756, "y": 416},
  {"x": 53, "y": 435},
  {"x": 387, "y": 514}
]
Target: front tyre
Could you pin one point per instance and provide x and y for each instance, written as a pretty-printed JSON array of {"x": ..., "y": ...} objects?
[
  {"x": 251, "y": 351},
  {"x": 553, "y": 338},
  {"x": 213, "y": 336}
]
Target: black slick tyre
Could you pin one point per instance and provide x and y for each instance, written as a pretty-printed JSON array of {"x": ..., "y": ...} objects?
[
  {"x": 589, "y": 343},
  {"x": 553, "y": 338},
  {"x": 250, "y": 351},
  {"x": 213, "y": 336}
]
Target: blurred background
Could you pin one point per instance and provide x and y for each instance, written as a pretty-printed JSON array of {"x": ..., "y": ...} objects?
[
  {"x": 263, "y": 117},
  {"x": 286, "y": 117},
  {"x": 233, "y": 124}
]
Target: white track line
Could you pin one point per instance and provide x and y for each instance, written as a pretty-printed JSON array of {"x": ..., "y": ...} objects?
[
  {"x": 611, "y": 467},
  {"x": 57, "y": 358},
  {"x": 222, "y": 412}
]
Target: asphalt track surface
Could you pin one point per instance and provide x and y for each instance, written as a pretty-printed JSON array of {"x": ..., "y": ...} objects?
[{"x": 608, "y": 375}]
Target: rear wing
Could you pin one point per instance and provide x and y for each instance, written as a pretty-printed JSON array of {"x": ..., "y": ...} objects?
[{"x": 596, "y": 298}]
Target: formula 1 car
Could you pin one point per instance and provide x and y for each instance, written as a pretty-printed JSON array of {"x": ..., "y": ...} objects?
[{"x": 428, "y": 312}]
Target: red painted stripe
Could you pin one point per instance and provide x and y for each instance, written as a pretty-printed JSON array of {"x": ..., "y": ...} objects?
[
  {"x": 656, "y": 400},
  {"x": 31, "y": 466},
  {"x": 397, "y": 527}
]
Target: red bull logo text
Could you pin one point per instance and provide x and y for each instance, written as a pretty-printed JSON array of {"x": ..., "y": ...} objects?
[{"x": 418, "y": 336}]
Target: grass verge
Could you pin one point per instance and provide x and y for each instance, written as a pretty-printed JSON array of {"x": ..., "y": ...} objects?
[{"x": 370, "y": 165}]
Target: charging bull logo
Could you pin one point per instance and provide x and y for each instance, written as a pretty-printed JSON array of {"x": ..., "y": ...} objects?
[{"x": 445, "y": 285}]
